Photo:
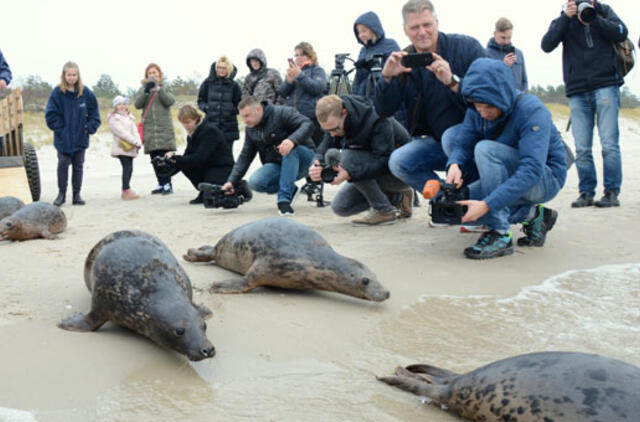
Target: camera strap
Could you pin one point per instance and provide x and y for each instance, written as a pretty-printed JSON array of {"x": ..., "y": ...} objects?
[{"x": 153, "y": 97}]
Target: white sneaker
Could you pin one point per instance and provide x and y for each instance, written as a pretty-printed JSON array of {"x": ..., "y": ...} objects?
[{"x": 473, "y": 228}]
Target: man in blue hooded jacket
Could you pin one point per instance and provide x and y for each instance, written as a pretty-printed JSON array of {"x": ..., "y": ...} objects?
[{"x": 519, "y": 156}]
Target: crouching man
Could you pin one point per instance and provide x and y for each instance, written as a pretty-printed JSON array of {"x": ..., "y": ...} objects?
[
  {"x": 519, "y": 156},
  {"x": 281, "y": 136},
  {"x": 365, "y": 141}
]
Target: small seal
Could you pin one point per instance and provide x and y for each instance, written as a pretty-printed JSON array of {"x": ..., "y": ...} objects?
[
  {"x": 38, "y": 219},
  {"x": 547, "y": 386},
  {"x": 279, "y": 252},
  {"x": 137, "y": 283},
  {"x": 9, "y": 205}
]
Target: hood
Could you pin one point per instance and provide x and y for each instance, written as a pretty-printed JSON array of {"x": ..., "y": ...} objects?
[
  {"x": 484, "y": 82},
  {"x": 492, "y": 44},
  {"x": 257, "y": 54},
  {"x": 361, "y": 116},
  {"x": 371, "y": 20},
  {"x": 213, "y": 76}
]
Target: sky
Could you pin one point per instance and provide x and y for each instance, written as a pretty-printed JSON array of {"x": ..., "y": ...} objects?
[{"x": 120, "y": 37}]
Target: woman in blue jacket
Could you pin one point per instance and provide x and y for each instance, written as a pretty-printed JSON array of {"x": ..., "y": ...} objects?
[
  {"x": 72, "y": 114},
  {"x": 304, "y": 85}
]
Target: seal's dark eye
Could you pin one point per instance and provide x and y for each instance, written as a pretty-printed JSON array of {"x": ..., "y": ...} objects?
[
  {"x": 365, "y": 281},
  {"x": 179, "y": 331},
  {"x": 9, "y": 223}
]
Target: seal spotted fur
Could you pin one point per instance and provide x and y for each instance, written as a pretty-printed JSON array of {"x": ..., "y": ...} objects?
[{"x": 38, "y": 219}]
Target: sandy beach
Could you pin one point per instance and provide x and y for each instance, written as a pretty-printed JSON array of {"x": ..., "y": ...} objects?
[{"x": 312, "y": 356}]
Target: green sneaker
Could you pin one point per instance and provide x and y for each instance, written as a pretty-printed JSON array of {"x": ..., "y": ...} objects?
[
  {"x": 536, "y": 229},
  {"x": 490, "y": 245}
]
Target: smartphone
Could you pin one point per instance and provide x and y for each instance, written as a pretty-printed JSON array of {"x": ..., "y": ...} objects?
[
  {"x": 417, "y": 59},
  {"x": 291, "y": 62},
  {"x": 509, "y": 49}
]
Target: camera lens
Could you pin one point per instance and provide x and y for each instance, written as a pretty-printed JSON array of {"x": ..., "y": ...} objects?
[{"x": 586, "y": 12}]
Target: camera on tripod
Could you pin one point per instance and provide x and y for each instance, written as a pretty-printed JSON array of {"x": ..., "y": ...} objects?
[
  {"x": 338, "y": 83},
  {"x": 373, "y": 63},
  {"x": 215, "y": 197},
  {"x": 443, "y": 201}
]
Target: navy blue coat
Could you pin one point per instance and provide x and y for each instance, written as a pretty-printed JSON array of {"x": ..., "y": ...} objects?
[
  {"x": 589, "y": 61},
  {"x": 306, "y": 89},
  {"x": 72, "y": 119},
  {"x": 384, "y": 46},
  {"x": 497, "y": 51},
  {"x": 5, "y": 72},
  {"x": 529, "y": 128},
  {"x": 431, "y": 106}
]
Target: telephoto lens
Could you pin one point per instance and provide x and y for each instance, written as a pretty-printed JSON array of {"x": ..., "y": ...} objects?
[{"x": 586, "y": 12}]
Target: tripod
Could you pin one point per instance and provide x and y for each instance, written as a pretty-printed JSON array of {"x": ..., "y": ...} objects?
[{"x": 339, "y": 83}]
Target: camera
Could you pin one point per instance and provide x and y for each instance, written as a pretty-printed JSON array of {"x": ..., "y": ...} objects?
[
  {"x": 164, "y": 166},
  {"x": 328, "y": 173},
  {"x": 586, "y": 11},
  {"x": 340, "y": 58},
  {"x": 374, "y": 62},
  {"x": 331, "y": 159},
  {"x": 214, "y": 197},
  {"x": 417, "y": 59},
  {"x": 444, "y": 208}
]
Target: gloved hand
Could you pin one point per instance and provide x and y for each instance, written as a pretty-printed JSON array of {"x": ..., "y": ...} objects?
[{"x": 149, "y": 86}]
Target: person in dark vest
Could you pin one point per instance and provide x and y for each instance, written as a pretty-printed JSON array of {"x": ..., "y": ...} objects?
[{"x": 219, "y": 96}]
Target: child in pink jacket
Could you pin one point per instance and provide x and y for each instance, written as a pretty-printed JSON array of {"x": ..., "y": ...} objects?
[{"x": 126, "y": 142}]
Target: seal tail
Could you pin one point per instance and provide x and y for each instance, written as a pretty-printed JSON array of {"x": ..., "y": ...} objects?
[{"x": 416, "y": 384}]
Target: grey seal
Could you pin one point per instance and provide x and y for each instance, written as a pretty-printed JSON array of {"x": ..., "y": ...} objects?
[
  {"x": 282, "y": 253},
  {"x": 9, "y": 205},
  {"x": 38, "y": 219},
  {"x": 137, "y": 283},
  {"x": 545, "y": 387}
]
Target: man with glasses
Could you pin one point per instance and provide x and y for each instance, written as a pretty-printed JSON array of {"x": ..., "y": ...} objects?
[{"x": 357, "y": 145}]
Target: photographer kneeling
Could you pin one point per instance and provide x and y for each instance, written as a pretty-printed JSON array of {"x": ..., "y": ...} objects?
[
  {"x": 366, "y": 140},
  {"x": 207, "y": 158},
  {"x": 520, "y": 158}
]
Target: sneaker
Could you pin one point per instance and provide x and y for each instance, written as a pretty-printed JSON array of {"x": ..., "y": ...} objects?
[
  {"x": 376, "y": 218},
  {"x": 536, "y": 229},
  {"x": 157, "y": 190},
  {"x": 198, "y": 199},
  {"x": 584, "y": 200},
  {"x": 129, "y": 195},
  {"x": 294, "y": 195},
  {"x": 284, "y": 208},
  {"x": 473, "y": 228},
  {"x": 610, "y": 199},
  {"x": 405, "y": 206},
  {"x": 490, "y": 245},
  {"x": 167, "y": 189}
]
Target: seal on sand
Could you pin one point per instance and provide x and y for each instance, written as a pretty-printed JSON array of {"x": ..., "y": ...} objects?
[
  {"x": 9, "y": 205},
  {"x": 279, "y": 252},
  {"x": 547, "y": 386},
  {"x": 137, "y": 283},
  {"x": 38, "y": 219}
]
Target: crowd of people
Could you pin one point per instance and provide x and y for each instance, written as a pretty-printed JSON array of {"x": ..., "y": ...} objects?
[{"x": 464, "y": 113}]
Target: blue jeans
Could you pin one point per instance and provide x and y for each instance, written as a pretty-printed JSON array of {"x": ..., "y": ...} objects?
[
  {"x": 449, "y": 138},
  {"x": 497, "y": 162},
  {"x": 414, "y": 163},
  {"x": 281, "y": 178},
  {"x": 599, "y": 105}
]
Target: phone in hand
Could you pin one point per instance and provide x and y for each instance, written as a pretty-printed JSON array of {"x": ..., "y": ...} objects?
[
  {"x": 509, "y": 49},
  {"x": 291, "y": 62},
  {"x": 417, "y": 59}
]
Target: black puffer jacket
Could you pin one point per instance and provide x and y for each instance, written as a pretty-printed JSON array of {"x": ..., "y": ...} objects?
[
  {"x": 206, "y": 148},
  {"x": 278, "y": 123},
  {"x": 368, "y": 141},
  {"x": 218, "y": 99}
]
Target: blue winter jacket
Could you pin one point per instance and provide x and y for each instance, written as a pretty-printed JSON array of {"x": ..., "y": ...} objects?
[
  {"x": 528, "y": 128},
  {"x": 5, "y": 72},
  {"x": 307, "y": 88},
  {"x": 589, "y": 60},
  {"x": 497, "y": 51},
  {"x": 72, "y": 119},
  {"x": 431, "y": 106},
  {"x": 384, "y": 46}
]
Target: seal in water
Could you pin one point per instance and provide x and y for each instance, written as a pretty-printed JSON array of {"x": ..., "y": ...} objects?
[
  {"x": 547, "y": 386},
  {"x": 137, "y": 283},
  {"x": 282, "y": 253},
  {"x": 9, "y": 205},
  {"x": 38, "y": 219}
]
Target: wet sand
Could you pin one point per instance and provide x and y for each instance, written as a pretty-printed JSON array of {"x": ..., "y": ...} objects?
[{"x": 310, "y": 356}]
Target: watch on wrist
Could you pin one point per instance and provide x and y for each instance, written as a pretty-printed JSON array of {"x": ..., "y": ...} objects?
[{"x": 455, "y": 80}]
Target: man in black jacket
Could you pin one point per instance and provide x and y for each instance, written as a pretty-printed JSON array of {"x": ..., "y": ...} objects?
[
  {"x": 281, "y": 136},
  {"x": 365, "y": 141},
  {"x": 592, "y": 78}
]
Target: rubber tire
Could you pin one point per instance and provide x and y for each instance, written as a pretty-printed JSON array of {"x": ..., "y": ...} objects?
[{"x": 33, "y": 171}]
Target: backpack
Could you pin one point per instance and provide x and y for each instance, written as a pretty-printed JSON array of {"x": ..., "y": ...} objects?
[{"x": 625, "y": 51}]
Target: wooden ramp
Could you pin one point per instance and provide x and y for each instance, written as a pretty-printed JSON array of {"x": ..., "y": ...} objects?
[{"x": 13, "y": 177}]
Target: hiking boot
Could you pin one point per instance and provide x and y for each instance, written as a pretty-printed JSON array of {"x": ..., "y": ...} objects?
[
  {"x": 59, "y": 199},
  {"x": 284, "y": 209},
  {"x": 157, "y": 190},
  {"x": 198, "y": 199},
  {"x": 376, "y": 218},
  {"x": 584, "y": 200},
  {"x": 129, "y": 195},
  {"x": 610, "y": 199},
  {"x": 490, "y": 245},
  {"x": 536, "y": 229},
  {"x": 167, "y": 189},
  {"x": 405, "y": 206},
  {"x": 77, "y": 200}
]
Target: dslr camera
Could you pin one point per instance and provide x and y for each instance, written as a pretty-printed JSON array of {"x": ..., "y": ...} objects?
[
  {"x": 331, "y": 159},
  {"x": 373, "y": 62},
  {"x": 165, "y": 166},
  {"x": 586, "y": 11},
  {"x": 214, "y": 197},
  {"x": 444, "y": 197}
]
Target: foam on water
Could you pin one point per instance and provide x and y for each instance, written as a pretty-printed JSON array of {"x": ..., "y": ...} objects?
[{"x": 15, "y": 415}]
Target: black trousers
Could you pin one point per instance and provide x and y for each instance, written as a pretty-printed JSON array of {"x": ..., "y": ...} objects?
[
  {"x": 163, "y": 177},
  {"x": 127, "y": 170},
  {"x": 215, "y": 175},
  {"x": 76, "y": 160}
]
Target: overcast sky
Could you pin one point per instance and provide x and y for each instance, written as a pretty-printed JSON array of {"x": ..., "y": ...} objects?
[{"x": 120, "y": 38}]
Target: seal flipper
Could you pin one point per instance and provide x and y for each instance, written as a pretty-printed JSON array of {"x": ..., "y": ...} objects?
[
  {"x": 430, "y": 373},
  {"x": 236, "y": 285},
  {"x": 204, "y": 253},
  {"x": 83, "y": 323},
  {"x": 47, "y": 235},
  {"x": 438, "y": 392}
]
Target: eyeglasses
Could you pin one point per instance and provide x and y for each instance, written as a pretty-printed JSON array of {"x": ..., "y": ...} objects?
[{"x": 338, "y": 127}]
